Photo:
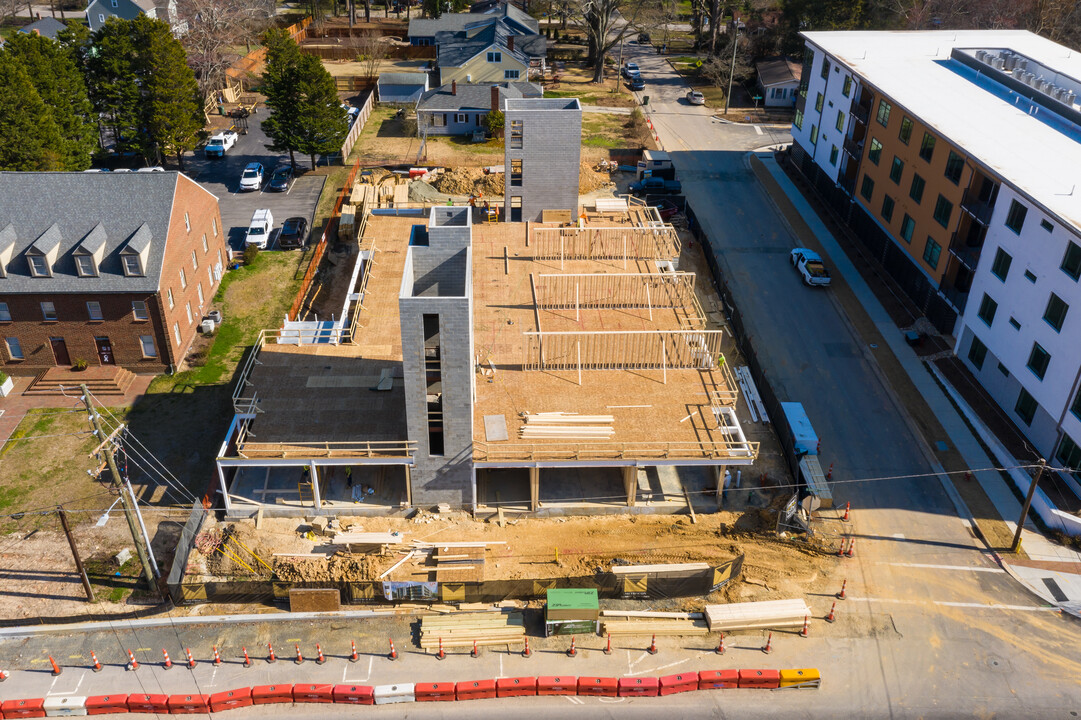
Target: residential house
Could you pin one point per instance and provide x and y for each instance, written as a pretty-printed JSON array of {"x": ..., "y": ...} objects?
[
  {"x": 461, "y": 108},
  {"x": 111, "y": 268},
  {"x": 46, "y": 27},
  {"x": 778, "y": 81},
  {"x": 401, "y": 88},
  {"x": 98, "y": 11}
]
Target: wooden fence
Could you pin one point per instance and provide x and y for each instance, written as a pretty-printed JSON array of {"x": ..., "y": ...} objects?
[
  {"x": 252, "y": 63},
  {"x": 356, "y": 130}
]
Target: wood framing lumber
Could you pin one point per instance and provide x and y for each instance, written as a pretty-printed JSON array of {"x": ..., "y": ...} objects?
[
  {"x": 654, "y": 627},
  {"x": 398, "y": 564},
  {"x": 750, "y": 615},
  {"x": 652, "y": 614},
  {"x": 640, "y": 569}
]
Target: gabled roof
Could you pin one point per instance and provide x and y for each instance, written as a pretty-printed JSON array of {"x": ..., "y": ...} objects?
[
  {"x": 474, "y": 97},
  {"x": 46, "y": 27},
  {"x": 778, "y": 71},
  {"x": 456, "y": 49},
  {"x": 94, "y": 240},
  {"x": 67, "y": 210},
  {"x": 403, "y": 78},
  {"x": 511, "y": 18}
]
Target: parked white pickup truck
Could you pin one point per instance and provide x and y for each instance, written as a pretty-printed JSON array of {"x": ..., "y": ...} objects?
[
  {"x": 218, "y": 144},
  {"x": 810, "y": 266}
]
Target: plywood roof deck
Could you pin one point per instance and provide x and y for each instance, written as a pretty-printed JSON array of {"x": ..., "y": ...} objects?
[
  {"x": 654, "y": 411},
  {"x": 322, "y": 393}
]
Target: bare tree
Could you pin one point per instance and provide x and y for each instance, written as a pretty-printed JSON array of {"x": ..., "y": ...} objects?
[
  {"x": 371, "y": 49},
  {"x": 606, "y": 22},
  {"x": 215, "y": 28}
]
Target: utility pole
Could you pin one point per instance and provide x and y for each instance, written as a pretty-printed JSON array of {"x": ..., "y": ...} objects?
[
  {"x": 735, "y": 44},
  {"x": 75, "y": 554},
  {"x": 619, "y": 70},
  {"x": 1028, "y": 503},
  {"x": 125, "y": 499}
]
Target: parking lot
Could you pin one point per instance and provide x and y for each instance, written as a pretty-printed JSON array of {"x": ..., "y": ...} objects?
[{"x": 221, "y": 176}]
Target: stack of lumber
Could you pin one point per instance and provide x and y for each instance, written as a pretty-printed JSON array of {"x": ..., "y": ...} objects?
[
  {"x": 653, "y": 626},
  {"x": 654, "y": 569},
  {"x": 460, "y": 630},
  {"x": 373, "y": 542},
  {"x": 755, "y": 615},
  {"x": 347, "y": 223},
  {"x": 540, "y": 426},
  {"x": 459, "y": 564}
]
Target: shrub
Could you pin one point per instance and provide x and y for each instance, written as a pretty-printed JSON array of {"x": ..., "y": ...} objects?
[
  {"x": 494, "y": 122},
  {"x": 250, "y": 253},
  {"x": 80, "y": 364},
  {"x": 3, "y": 377}
]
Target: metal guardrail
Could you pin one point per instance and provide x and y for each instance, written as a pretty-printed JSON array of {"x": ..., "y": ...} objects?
[{"x": 599, "y": 451}]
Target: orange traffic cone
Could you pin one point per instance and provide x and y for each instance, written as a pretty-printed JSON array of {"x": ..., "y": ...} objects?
[
  {"x": 608, "y": 647},
  {"x": 353, "y": 656},
  {"x": 841, "y": 595},
  {"x": 319, "y": 658},
  {"x": 652, "y": 649},
  {"x": 168, "y": 663},
  {"x": 217, "y": 657},
  {"x": 474, "y": 652},
  {"x": 720, "y": 646},
  {"x": 830, "y": 618},
  {"x": 247, "y": 660},
  {"x": 56, "y": 668},
  {"x": 841, "y": 550},
  {"x": 133, "y": 664},
  {"x": 3, "y": 675},
  {"x": 769, "y": 644},
  {"x": 393, "y": 653},
  {"x": 191, "y": 660},
  {"x": 806, "y": 628},
  {"x": 97, "y": 665},
  {"x": 851, "y": 548},
  {"x": 300, "y": 658},
  {"x": 848, "y": 506},
  {"x": 440, "y": 655},
  {"x": 572, "y": 652},
  {"x": 526, "y": 652},
  {"x": 270, "y": 657}
]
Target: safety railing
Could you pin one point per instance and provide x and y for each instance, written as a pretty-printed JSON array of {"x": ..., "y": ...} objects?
[
  {"x": 400, "y": 449},
  {"x": 601, "y": 451}
]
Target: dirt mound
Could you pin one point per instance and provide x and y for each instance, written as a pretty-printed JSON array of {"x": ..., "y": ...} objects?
[
  {"x": 340, "y": 567},
  {"x": 457, "y": 181},
  {"x": 491, "y": 184},
  {"x": 590, "y": 180},
  {"x": 420, "y": 191}
]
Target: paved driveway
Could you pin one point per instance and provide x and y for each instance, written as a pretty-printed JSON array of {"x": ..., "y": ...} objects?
[{"x": 221, "y": 176}]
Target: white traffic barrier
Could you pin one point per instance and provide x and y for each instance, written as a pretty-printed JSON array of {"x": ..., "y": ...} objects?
[
  {"x": 400, "y": 693},
  {"x": 64, "y": 706}
]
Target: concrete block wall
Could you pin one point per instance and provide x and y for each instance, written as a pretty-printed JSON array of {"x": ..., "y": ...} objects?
[{"x": 551, "y": 154}]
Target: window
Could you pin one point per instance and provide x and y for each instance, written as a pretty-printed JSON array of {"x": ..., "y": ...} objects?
[
  {"x": 101, "y": 18},
  {"x": 214, "y": 226},
  {"x": 183, "y": 279},
  {"x": 798, "y": 120},
  {"x": 1014, "y": 324},
  {"x": 132, "y": 265},
  {"x": 517, "y": 131},
  {"x": 884, "y": 112},
  {"x": 1046, "y": 225},
  {"x": 954, "y": 165},
  {"x": 931, "y": 252},
  {"x": 897, "y": 169},
  {"x": 1071, "y": 261},
  {"x": 93, "y": 309},
  {"x": 814, "y": 134},
  {"x": 875, "y": 153},
  {"x": 915, "y": 191},
  {"x": 943, "y": 210},
  {"x": 194, "y": 260},
  {"x": 1025, "y": 407},
  {"x": 199, "y": 289},
  {"x": 86, "y": 266},
  {"x": 516, "y": 173},
  {"x": 511, "y": 74},
  {"x": 840, "y": 124},
  {"x": 847, "y": 87},
  {"x": 825, "y": 67},
  {"x": 977, "y": 352},
  {"x": 1038, "y": 360},
  {"x": 147, "y": 341},
  {"x": 1069, "y": 453},
  {"x": 1000, "y": 268},
  {"x": 1055, "y": 312},
  {"x": 48, "y": 311},
  {"x": 115, "y": 3},
  {"x": 927, "y": 146},
  {"x": 187, "y": 222},
  {"x": 39, "y": 266},
  {"x": 138, "y": 309},
  {"x": 887, "y": 208},
  {"x": 15, "y": 349},
  {"x": 206, "y": 248},
  {"x": 1076, "y": 407},
  {"x": 210, "y": 276},
  {"x": 5, "y": 313},
  {"x": 169, "y": 293},
  {"x": 988, "y": 308},
  {"x": 439, "y": 119},
  {"x": 1015, "y": 219},
  {"x": 461, "y": 117},
  {"x": 187, "y": 307},
  {"x": 906, "y": 130},
  {"x": 833, "y": 155},
  {"x": 1030, "y": 277},
  {"x": 818, "y": 102},
  {"x": 867, "y": 189},
  {"x": 495, "y": 57},
  {"x": 908, "y": 225},
  {"x": 176, "y": 333},
  {"x": 1004, "y": 370}
]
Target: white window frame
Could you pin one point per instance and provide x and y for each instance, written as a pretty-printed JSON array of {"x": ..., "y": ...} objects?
[
  {"x": 101, "y": 18},
  {"x": 176, "y": 333},
  {"x": 169, "y": 293},
  {"x": 214, "y": 226},
  {"x": 92, "y": 271},
  {"x": 512, "y": 74},
  {"x": 187, "y": 222},
  {"x": 5, "y": 312},
  {"x": 52, "y": 311},
  {"x": 46, "y": 271},
  {"x": 187, "y": 307},
  {"x": 91, "y": 307},
  {"x": 133, "y": 265},
  {"x": 199, "y": 289},
  {"x": 461, "y": 117},
  {"x": 194, "y": 260},
  {"x": 140, "y": 315},
  {"x": 183, "y": 280},
  {"x": 145, "y": 341},
  {"x": 15, "y": 348},
  {"x": 210, "y": 276},
  {"x": 206, "y": 247},
  {"x": 495, "y": 56}
]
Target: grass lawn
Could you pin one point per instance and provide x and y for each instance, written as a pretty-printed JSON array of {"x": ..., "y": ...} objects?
[
  {"x": 577, "y": 81},
  {"x": 606, "y": 131}
]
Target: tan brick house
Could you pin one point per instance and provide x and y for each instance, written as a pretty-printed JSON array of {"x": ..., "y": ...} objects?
[{"x": 111, "y": 268}]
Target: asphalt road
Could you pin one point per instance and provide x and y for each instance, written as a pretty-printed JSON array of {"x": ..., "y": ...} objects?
[
  {"x": 221, "y": 176},
  {"x": 920, "y": 568}
]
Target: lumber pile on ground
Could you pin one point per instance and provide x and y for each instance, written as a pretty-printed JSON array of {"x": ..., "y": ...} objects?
[
  {"x": 462, "y": 629},
  {"x": 757, "y": 615},
  {"x": 653, "y": 626},
  {"x": 459, "y": 564}
]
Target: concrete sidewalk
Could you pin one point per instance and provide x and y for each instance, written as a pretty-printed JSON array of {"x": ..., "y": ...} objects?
[{"x": 1035, "y": 545}]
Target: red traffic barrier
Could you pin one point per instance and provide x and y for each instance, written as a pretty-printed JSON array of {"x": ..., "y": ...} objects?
[
  {"x": 475, "y": 689},
  {"x": 434, "y": 692},
  {"x": 313, "y": 693},
  {"x": 718, "y": 679},
  {"x": 269, "y": 694},
  {"x": 189, "y": 704},
  {"x": 552, "y": 685},
  {"x": 684, "y": 682},
  {"x": 515, "y": 687},
  {"x": 354, "y": 694},
  {"x": 33, "y": 708},
  {"x": 598, "y": 686},
  {"x": 759, "y": 678},
  {"x": 157, "y": 704},
  {"x": 639, "y": 687},
  {"x": 241, "y": 697},
  {"x": 106, "y": 704}
]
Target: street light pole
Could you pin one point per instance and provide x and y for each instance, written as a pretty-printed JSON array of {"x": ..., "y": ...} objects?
[
  {"x": 1028, "y": 503},
  {"x": 735, "y": 43}
]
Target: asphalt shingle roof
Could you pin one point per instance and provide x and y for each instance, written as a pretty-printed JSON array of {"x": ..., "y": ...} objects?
[
  {"x": 70, "y": 207},
  {"x": 778, "y": 70},
  {"x": 472, "y": 97},
  {"x": 46, "y": 27}
]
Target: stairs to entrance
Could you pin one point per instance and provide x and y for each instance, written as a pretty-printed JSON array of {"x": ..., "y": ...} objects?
[{"x": 104, "y": 381}]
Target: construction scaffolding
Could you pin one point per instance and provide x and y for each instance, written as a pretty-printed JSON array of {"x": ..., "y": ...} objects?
[{"x": 604, "y": 243}]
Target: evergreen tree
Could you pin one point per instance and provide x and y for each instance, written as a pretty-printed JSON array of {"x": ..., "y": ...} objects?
[
  {"x": 111, "y": 79},
  {"x": 171, "y": 107},
  {"x": 279, "y": 87},
  {"x": 29, "y": 136},
  {"x": 59, "y": 83}
]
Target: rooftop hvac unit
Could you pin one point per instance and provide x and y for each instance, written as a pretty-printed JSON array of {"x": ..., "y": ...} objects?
[
  {"x": 1022, "y": 63},
  {"x": 1070, "y": 97},
  {"x": 998, "y": 63},
  {"x": 981, "y": 55},
  {"x": 1030, "y": 79},
  {"x": 1011, "y": 62}
]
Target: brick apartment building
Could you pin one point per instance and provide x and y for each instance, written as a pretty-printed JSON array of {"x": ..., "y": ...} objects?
[{"x": 110, "y": 268}]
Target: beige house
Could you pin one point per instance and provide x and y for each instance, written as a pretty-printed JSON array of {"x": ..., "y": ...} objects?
[{"x": 493, "y": 63}]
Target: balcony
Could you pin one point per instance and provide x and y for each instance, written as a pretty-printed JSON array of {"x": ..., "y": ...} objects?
[
  {"x": 958, "y": 298},
  {"x": 854, "y": 147},
  {"x": 977, "y": 208},
  {"x": 861, "y": 112},
  {"x": 966, "y": 250}
]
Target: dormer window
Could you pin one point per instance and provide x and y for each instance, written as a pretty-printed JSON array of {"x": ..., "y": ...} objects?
[
  {"x": 136, "y": 252},
  {"x": 90, "y": 252},
  {"x": 39, "y": 266},
  {"x": 132, "y": 266},
  {"x": 86, "y": 266}
]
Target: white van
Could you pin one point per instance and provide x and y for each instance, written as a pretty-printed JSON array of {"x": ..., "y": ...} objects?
[{"x": 262, "y": 224}]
